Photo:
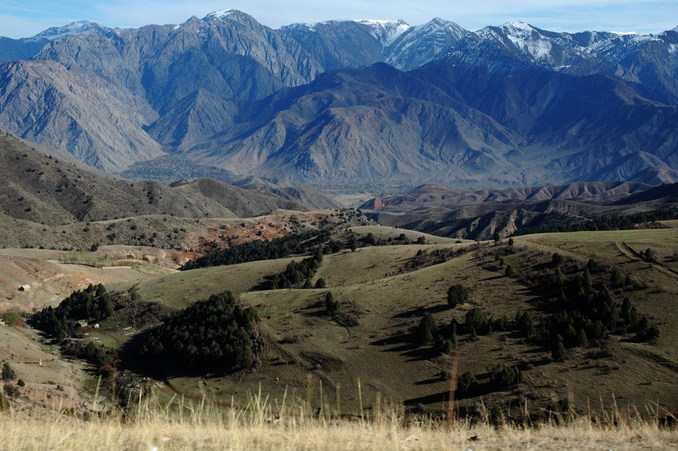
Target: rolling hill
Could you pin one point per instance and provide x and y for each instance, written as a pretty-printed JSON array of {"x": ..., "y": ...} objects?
[
  {"x": 43, "y": 189},
  {"x": 369, "y": 353}
]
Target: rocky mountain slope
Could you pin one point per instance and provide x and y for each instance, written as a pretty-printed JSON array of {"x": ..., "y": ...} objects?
[
  {"x": 482, "y": 213},
  {"x": 44, "y": 190},
  {"x": 512, "y": 105}
]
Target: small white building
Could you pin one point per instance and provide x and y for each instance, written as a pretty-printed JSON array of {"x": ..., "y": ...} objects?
[{"x": 25, "y": 288}]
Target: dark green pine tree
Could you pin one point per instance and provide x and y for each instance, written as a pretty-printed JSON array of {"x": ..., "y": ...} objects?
[{"x": 558, "y": 350}]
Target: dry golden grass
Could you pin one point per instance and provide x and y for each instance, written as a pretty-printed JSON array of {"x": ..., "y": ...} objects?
[{"x": 258, "y": 427}]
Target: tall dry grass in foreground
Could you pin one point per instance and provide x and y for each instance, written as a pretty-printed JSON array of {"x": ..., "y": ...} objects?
[{"x": 152, "y": 426}]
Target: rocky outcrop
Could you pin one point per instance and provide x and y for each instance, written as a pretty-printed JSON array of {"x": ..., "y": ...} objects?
[{"x": 44, "y": 102}]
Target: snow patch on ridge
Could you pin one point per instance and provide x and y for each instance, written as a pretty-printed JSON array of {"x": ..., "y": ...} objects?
[
  {"x": 221, "y": 14},
  {"x": 518, "y": 25},
  {"x": 386, "y": 31},
  {"x": 528, "y": 39},
  {"x": 67, "y": 30}
]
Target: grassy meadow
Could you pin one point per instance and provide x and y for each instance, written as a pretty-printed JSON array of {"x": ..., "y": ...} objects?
[{"x": 358, "y": 381}]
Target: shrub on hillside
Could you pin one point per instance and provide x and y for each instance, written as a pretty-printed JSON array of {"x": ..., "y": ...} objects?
[
  {"x": 507, "y": 377},
  {"x": 11, "y": 390},
  {"x": 457, "y": 294},
  {"x": 467, "y": 384},
  {"x": 8, "y": 373},
  {"x": 13, "y": 319},
  {"x": 331, "y": 305}
]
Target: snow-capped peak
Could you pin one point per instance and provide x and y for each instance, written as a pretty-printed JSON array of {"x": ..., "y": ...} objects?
[
  {"x": 221, "y": 14},
  {"x": 518, "y": 25},
  {"x": 438, "y": 25},
  {"x": 67, "y": 30},
  {"x": 386, "y": 31},
  {"x": 527, "y": 39},
  {"x": 227, "y": 14}
]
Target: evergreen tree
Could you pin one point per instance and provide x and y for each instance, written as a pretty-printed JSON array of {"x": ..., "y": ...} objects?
[
  {"x": 557, "y": 259},
  {"x": 526, "y": 326},
  {"x": 507, "y": 377},
  {"x": 331, "y": 306},
  {"x": 558, "y": 350},
  {"x": 478, "y": 320},
  {"x": 467, "y": 384},
  {"x": 616, "y": 277},
  {"x": 426, "y": 330}
]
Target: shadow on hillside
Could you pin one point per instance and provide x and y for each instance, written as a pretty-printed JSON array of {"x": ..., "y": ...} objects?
[
  {"x": 421, "y": 311},
  {"x": 444, "y": 396},
  {"x": 405, "y": 345},
  {"x": 433, "y": 380},
  {"x": 403, "y": 342}
]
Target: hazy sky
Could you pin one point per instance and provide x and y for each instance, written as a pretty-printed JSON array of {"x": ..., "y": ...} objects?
[{"x": 22, "y": 18}]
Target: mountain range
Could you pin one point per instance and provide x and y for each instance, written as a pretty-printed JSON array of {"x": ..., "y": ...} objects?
[{"x": 349, "y": 103}]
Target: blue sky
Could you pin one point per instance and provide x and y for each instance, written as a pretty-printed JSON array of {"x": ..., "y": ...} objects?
[{"x": 21, "y": 18}]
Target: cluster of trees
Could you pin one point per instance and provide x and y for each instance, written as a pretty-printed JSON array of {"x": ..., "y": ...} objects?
[
  {"x": 298, "y": 273},
  {"x": 501, "y": 379},
  {"x": 587, "y": 311},
  {"x": 9, "y": 390},
  {"x": 428, "y": 332},
  {"x": 298, "y": 243},
  {"x": 371, "y": 240},
  {"x": 104, "y": 359},
  {"x": 425, "y": 258},
  {"x": 558, "y": 222},
  {"x": 444, "y": 337},
  {"x": 214, "y": 335},
  {"x": 479, "y": 322},
  {"x": 91, "y": 304}
]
